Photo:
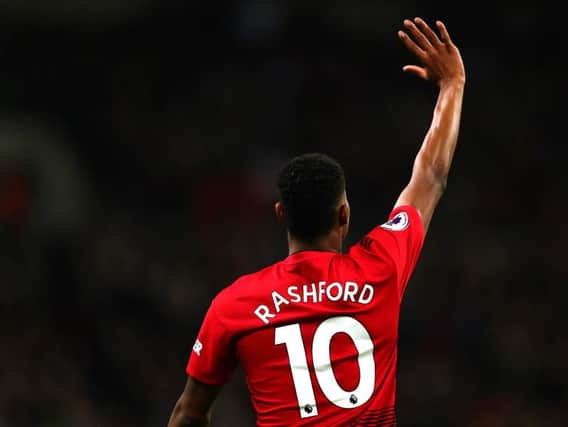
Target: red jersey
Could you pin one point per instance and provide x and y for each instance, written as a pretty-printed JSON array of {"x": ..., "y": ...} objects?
[{"x": 316, "y": 333}]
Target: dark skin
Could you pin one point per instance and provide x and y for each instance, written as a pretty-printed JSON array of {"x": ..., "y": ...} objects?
[
  {"x": 441, "y": 64},
  {"x": 193, "y": 408}
]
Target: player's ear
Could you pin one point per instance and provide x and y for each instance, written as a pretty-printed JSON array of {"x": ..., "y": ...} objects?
[
  {"x": 280, "y": 215},
  {"x": 343, "y": 214},
  {"x": 343, "y": 218}
]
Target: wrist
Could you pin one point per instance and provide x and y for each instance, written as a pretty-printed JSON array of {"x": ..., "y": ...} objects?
[{"x": 452, "y": 83}]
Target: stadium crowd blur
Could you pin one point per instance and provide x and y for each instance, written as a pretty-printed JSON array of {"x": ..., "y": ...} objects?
[{"x": 139, "y": 143}]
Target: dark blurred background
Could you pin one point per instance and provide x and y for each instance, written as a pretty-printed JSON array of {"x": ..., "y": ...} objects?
[{"x": 139, "y": 142}]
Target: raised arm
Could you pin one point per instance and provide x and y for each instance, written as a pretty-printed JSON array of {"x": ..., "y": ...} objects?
[{"x": 441, "y": 64}]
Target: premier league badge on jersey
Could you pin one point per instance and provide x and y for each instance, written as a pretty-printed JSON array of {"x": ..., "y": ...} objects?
[{"x": 398, "y": 223}]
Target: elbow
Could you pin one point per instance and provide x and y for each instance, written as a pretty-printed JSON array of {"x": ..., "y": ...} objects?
[
  {"x": 438, "y": 171},
  {"x": 435, "y": 173},
  {"x": 441, "y": 182}
]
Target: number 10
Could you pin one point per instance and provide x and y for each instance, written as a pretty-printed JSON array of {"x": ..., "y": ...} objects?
[{"x": 291, "y": 336}]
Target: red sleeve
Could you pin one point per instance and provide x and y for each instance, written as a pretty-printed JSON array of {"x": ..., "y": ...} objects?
[
  {"x": 398, "y": 242},
  {"x": 212, "y": 359}
]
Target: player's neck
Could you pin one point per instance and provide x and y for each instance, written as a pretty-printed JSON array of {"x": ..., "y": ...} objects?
[{"x": 328, "y": 243}]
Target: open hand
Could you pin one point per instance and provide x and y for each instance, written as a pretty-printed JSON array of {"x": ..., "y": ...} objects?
[{"x": 440, "y": 58}]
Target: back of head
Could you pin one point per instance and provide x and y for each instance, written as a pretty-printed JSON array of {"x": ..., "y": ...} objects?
[{"x": 310, "y": 188}]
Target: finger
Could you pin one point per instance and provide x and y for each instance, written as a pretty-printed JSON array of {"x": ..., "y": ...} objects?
[
  {"x": 420, "y": 38},
  {"x": 444, "y": 32},
  {"x": 428, "y": 32},
  {"x": 410, "y": 45},
  {"x": 416, "y": 70}
]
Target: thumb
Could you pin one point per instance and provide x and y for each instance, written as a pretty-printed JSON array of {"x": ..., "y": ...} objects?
[{"x": 416, "y": 70}]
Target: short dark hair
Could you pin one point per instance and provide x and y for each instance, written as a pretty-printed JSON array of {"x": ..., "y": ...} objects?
[{"x": 310, "y": 187}]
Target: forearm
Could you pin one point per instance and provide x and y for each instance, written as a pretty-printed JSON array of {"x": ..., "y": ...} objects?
[
  {"x": 441, "y": 64},
  {"x": 435, "y": 156}
]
